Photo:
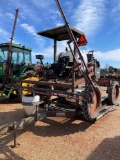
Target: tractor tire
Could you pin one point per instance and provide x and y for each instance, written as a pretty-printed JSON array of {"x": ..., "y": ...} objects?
[
  {"x": 113, "y": 93},
  {"x": 91, "y": 110}
]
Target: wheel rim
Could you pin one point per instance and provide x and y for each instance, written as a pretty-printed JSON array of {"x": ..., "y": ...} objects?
[
  {"x": 94, "y": 107},
  {"x": 115, "y": 92}
]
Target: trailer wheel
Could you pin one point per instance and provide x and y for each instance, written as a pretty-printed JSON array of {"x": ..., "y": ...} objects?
[
  {"x": 91, "y": 110},
  {"x": 113, "y": 93}
]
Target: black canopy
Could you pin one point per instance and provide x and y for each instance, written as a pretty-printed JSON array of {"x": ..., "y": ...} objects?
[{"x": 60, "y": 33}]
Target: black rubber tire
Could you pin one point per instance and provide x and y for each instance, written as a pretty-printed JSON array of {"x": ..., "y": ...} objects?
[
  {"x": 91, "y": 111},
  {"x": 113, "y": 93}
]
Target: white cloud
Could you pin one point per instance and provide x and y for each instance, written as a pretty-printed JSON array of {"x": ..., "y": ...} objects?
[
  {"x": 29, "y": 29},
  {"x": 41, "y": 3},
  {"x": 32, "y": 32},
  {"x": 48, "y": 52},
  {"x": 26, "y": 10},
  {"x": 59, "y": 23},
  {"x": 115, "y": 12},
  {"x": 3, "y": 32},
  {"x": 89, "y": 16},
  {"x": 10, "y": 15},
  {"x": 113, "y": 55},
  {"x": 116, "y": 8},
  {"x": 4, "y": 35}
]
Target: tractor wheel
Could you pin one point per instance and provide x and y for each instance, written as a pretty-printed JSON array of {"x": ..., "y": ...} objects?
[
  {"x": 113, "y": 93},
  {"x": 91, "y": 110}
]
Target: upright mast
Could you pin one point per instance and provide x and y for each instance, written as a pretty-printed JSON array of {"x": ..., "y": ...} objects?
[{"x": 8, "y": 71}]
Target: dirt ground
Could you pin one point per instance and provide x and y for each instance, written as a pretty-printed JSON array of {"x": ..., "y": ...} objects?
[{"x": 61, "y": 138}]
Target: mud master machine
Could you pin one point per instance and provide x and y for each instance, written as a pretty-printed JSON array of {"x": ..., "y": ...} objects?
[{"x": 68, "y": 87}]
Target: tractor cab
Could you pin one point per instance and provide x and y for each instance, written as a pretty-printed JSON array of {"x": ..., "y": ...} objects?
[{"x": 20, "y": 54}]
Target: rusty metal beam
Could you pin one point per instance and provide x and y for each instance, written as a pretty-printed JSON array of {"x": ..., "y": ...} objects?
[
  {"x": 54, "y": 84},
  {"x": 47, "y": 83}
]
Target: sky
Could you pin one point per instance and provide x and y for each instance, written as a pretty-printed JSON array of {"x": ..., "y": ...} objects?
[{"x": 98, "y": 19}]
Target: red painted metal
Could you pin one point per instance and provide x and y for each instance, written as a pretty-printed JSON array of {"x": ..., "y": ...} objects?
[{"x": 104, "y": 81}]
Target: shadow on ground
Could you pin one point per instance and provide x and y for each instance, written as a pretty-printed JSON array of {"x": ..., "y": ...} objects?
[
  {"x": 54, "y": 128},
  {"x": 9, "y": 100},
  {"x": 7, "y": 153},
  {"x": 49, "y": 127},
  {"x": 62, "y": 128},
  {"x": 109, "y": 149}
]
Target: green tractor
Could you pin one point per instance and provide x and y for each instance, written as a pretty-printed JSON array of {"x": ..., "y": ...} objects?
[
  {"x": 15, "y": 63},
  {"x": 19, "y": 66}
]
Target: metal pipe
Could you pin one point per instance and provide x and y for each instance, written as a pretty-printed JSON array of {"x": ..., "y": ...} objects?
[
  {"x": 15, "y": 134},
  {"x": 8, "y": 70},
  {"x": 55, "y": 50},
  {"x": 36, "y": 113}
]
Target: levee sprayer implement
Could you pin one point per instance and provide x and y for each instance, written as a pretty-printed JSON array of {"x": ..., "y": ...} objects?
[{"x": 68, "y": 87}]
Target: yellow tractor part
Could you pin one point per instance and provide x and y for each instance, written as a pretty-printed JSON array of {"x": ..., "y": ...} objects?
[{"x": 25, "y": 92}]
